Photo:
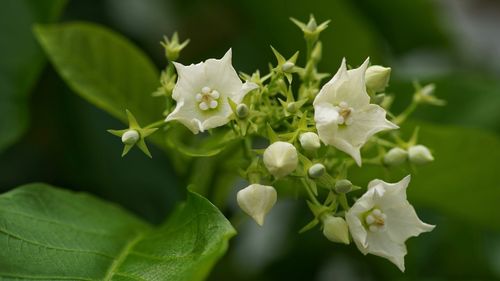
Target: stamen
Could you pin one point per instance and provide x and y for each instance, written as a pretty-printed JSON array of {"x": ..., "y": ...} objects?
[
  {"x": 213, "y": 104},
  {"x": 199, "y": 97},
  {"x": 214, "y": 94},
  {"x": 203, "y": 105},
  {"x": 206, "y": 90}
]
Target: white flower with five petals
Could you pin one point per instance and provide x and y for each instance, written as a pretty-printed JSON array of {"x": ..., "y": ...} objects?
[
  {"x": 382, "y": 220},
  {"x": 202, "y": 93},
  {"x": 343, "y": 113}
]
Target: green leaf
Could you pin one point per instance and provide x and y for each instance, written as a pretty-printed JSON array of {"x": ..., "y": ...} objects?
[
  {"x": 53, "y": 234},
  {"x": 104, "y": 68},
  {"x": 462, "y": 182},
  {"x": 21, "y": 61}
]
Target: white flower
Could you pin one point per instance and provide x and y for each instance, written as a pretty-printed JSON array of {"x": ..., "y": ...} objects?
[
  {"x": 309, "y": 141},
  {"x": 343, "y": 113},
  {"x": 280, "y": 158},
  {"x": 202, "y": 91},
  {"x": 382, "y": 220},
  {"x": 335, "y": 229},
  {"x": 257, "y": 200}
]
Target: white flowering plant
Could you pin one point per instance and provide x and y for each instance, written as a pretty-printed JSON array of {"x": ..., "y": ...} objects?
[
  {"x": 290, "y": 131},
  {"x": 294, "y": 127}
]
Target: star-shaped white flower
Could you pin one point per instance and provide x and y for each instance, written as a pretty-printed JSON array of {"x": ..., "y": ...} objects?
[
  {"x": 343, "y": 113},
  {"x": 382, "y": 220},
  {"x": 202, "y": 93}
]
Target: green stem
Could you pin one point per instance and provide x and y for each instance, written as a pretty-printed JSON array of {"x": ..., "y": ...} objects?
[
  {"x": 406, "y": 113},
  {"x": 155, "y": 124}
]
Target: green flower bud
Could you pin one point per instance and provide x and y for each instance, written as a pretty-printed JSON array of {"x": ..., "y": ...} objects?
[
  {"x": 420, "y": 155},
  {"x": 396, "y": 156},
  {"x": 343, "y": 186},
  {"x": 257, "y": 200},
  {"x": 281, "y": 159},
  {"x": 130, "y": 137},
  {"x": 377, "y": 78},
  {"x": 291, "y": 107},
  {"x": 287, "y": 66},
  {"x": 242, "y": 110},
  {"x": 316, "y": 170},
  {"x": 335, "y": 229},
  {"x": 309, "y": 141}
]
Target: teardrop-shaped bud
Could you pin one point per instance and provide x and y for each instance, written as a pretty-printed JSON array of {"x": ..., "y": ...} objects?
[
  {"x": 396, "y": 156},
  {"x": 335, "y": 229},
  {"x": 420, "y": 155},
  {"x": 281, "y": 159},
  {"x": 257, "y": 200},
  {"x": 309, "y": 141}
]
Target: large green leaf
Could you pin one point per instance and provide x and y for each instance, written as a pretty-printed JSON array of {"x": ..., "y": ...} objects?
[
  {"x": 20, "y": 61},
  {"x": 52, "y": 234},
  {"x": 463, "y": 180},
  {"x": 103, "y": 67}
]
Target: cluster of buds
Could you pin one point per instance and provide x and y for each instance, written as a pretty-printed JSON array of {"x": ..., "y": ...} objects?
[{"x": 315, "y": 133}]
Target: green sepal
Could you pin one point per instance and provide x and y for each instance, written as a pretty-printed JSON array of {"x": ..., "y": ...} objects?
[{"x": 309, "y": 226}]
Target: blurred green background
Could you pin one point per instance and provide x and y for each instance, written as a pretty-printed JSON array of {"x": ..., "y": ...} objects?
[{"x": 48, "y": 134}]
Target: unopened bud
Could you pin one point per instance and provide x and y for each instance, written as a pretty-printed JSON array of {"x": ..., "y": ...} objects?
[
  {"x": 287, "y": 66},
  {"x": 316, "y": 170},
  {"x": 309, "y": 141},
  {"x": 343, "y": 186},
  {"x": 242, "y": 110},
  {"x": 396, "y": 156},
  {"x": 335, "y": 229},
  {"x": 130, "y": 137},
  {"x": 377, "y": 77},
  {"x": 257, "y": 200},
  {"x": 280, "y": 159},
  {"x": 420, "y": 155},
  {"x": 291, "y": 107}
]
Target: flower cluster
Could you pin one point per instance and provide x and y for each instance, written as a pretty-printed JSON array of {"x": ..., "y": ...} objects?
[{"x": 315, "y": 132}]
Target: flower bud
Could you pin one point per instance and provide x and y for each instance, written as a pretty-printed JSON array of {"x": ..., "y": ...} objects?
[
  {"x": 242, "y": 110},
  {"x": 420, "y": 155},
  {"x": 396, "y": 156},
  {"x": 316, "y": 170},
  {"x": 335, "y": 229},
  {"x": 377, "y": 78},
  {"x": 257, "y": 200},
  {"x": 130, "y": 137},
  {"x": 280, "y": 158},
  {"x": 343, "y": 186},
  {"x": 287, "y": 66},
  {"x": 291, "y": 107},
  {"x": 309, "y": 141}
]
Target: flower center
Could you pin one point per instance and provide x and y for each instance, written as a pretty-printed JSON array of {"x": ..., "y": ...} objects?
[
  {"x": 375, "y": 220},
  {"x": 207, "y": 99},
  {"x": 345, "y": 113}
]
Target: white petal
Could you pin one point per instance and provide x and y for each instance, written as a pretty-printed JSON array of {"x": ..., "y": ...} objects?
[
  {"x": 380, "y": 244},
  {"x": 366, "y": 122},
  {"x": 222, "y": 76},
  {"x": 190, "y": 82},
  {"x": 402, "y": 223}
]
